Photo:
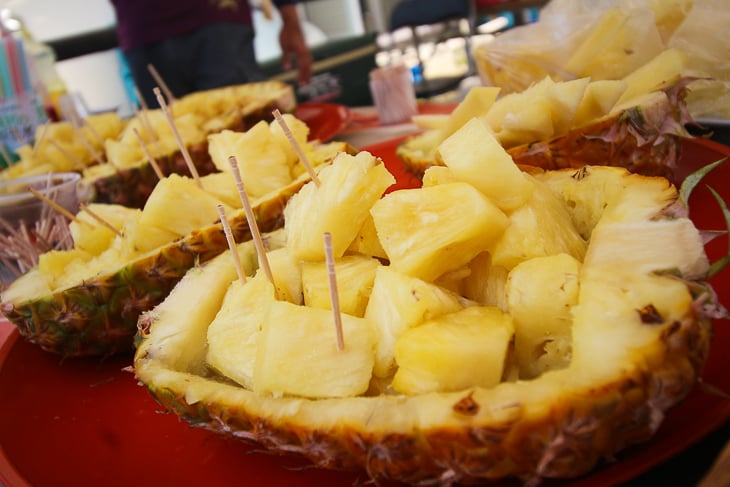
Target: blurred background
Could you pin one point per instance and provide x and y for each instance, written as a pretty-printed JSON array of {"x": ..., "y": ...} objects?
[{"x": 348, "y": 39}]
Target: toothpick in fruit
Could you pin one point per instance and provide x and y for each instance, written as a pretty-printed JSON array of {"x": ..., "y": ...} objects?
[
  {"x": 296, "y": 146},
  {"x": 251, "y": 219},
  {"x": 334, "y": 295},
  {"x": 60, "y": 209},
  {"x": 161, "y": 83},
  {"x": 100, "y": 220},
  {"x": 176, "y": 133},
  {"x": 231, "y": 244},
  {"x": 153, "y": 162}
]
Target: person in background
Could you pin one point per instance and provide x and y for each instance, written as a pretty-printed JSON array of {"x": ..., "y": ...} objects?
[{"x": 201, "y": 44}]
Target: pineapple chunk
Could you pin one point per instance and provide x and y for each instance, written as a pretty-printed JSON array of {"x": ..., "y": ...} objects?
[
  {"x": 477, "y": 102},
  {"x": 663, "y": 68},
  {"x": 340, "y": 205},
  {"x": 287, "y": 275},
  {"x": 473, "y": 155},
  {"x": 366, "y": 241},
  {"x": 355, "y": 275},
  {"x": 438, "y": 175},
  {"x": 298, "y": 355},
  {"x": 429, "y": 231},
  {"x": 261, "y": 158},
  {"x": 599, "y": 98},
  {"x": 222, "y": 185},
  {"x": 53, "y": 263},
  {"x": 486, "y": 282},
  {"x": 92, "y": 236},
  {"x": 621, "y": 41},
  {"x": 565, "y": 98},
  {"x": 399, "y": 302},
  {"x": 467, "y": 348},
  {"x": 178, "y": 205},
  {"x": 541, "y": 227},
  {"x": 300, "y": 132},
  {"x": 233, "y": 334},
  {"x": 144, "y": 238},
  {"x": 541, "y": 293}
]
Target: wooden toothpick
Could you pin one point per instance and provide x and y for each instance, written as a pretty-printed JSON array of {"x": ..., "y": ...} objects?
[
  {"x": 148, "y": 154},
  {"x": 100, "y": 220},
  {"x": 252, "y": 224},
  {"x": 334, "y": 296},
  {"x": 296, "y": 146},
  {"x": 60, "y": 209},
  {"x": 183, "y": 149},
  {"x": 161, "y": 83},
  {"x": 231, "y": 244}
]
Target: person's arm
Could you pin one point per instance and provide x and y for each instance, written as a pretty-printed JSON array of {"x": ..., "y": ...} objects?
[{"x": 294, "y": 49}]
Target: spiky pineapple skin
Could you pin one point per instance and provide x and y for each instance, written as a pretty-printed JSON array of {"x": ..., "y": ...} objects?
[
  {"x": 132, "y": 186},
  {"x": 562, "y": 439},
  {"x": 98, "y": 317}
]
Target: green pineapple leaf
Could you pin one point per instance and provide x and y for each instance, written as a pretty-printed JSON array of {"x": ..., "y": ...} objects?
[
  {"x": 691, "y": 181},
  {"x": 719, "y": 265}
]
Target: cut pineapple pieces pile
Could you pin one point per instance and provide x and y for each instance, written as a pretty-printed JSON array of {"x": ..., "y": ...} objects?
[
  {"x": 63, "y": 147},
  {"x": 106, "y": 235},
  {"x": 469, "y": 281},
  {"x": 611, "y": 40},
  {"x": 549, "y": 109},
  {"x": 104, "y": 144}
]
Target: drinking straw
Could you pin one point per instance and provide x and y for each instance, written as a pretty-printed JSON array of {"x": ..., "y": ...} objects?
[
  {"x": 13, "y": 65},
  {"x": 23, "y": 63},
  {"x": 7, "y": 84}
]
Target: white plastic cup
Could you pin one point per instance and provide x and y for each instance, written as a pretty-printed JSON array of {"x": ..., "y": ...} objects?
[{"x": 393, "y": 94}]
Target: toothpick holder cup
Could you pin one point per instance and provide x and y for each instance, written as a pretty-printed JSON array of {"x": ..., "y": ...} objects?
[{"x": 393, "y": 94}]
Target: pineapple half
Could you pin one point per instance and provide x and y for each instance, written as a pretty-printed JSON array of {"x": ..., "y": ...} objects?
[
  {"x": 236, "y": 108},
  {"x": 640, "y": 336},
  {"x": 643, "y": 134}
]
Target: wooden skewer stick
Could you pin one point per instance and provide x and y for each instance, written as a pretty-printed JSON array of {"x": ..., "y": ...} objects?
[
  {"x": 231, "y": 244},
  {"x": 297, "y": 147},
  {"x": 153, "y": 162},
  {"x": 145, "y": 123},
  {"x": 252, "y": 224},
  {"x": 161, "y": 83},
  {"x": 334, "y": 296},
  {"x": 183, "y": 149},
  {"x": 39, "y": 141},
  {"x": 77, "y": 162},
  {"x": 99, "y": 219},
  {"x": 60, "y": 209}
]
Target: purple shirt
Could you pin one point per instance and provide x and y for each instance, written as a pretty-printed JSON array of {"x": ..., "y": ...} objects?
[{"x": 142, "y": 22}]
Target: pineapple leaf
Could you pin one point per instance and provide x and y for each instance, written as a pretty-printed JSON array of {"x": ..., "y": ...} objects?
[
  {"x": 719, "y": 265},
  {"x": 691, "y": 181}
]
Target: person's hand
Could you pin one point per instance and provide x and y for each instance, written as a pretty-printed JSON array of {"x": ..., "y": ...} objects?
[{"x": 293, "y": 47}]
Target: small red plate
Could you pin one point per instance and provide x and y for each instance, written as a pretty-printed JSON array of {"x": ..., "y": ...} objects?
[
  {"x": 325, "y": 120},
  {"x": 86, "y": 422}
]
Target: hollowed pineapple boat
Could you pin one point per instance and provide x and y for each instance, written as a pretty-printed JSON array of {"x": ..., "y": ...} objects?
[
  {"x": 128, "y": 178},
  {"x": 495, "y": 323},
  {"x": 637, "y": 123},
  {"x": 86, "y": 300}
]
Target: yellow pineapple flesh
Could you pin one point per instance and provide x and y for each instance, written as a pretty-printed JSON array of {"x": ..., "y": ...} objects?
[{"x": 454, "y": 352}]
